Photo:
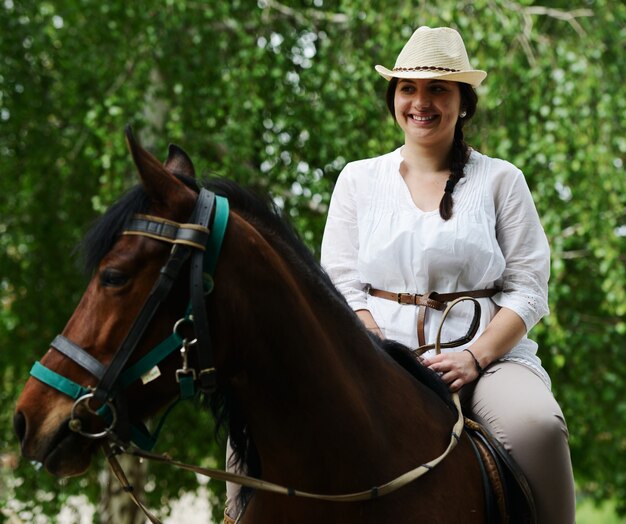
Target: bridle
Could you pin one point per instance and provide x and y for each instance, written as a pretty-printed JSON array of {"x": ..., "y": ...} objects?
[{"x": 193, "y": 241}]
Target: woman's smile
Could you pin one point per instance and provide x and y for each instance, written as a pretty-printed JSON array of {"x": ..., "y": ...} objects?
[{"x": 422, "y": 119}]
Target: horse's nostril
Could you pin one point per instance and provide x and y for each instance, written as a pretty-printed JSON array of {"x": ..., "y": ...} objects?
[{"x": 19, "y": 424}]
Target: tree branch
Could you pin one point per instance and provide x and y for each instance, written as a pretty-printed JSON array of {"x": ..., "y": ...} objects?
[
  {"x": 579, "y": 253},
  {"x": 537, "y": 10},
  {"x": 304, "y": 16},
  {"x": 528, "y": 12},
  {"x": 568, "y": 16}
]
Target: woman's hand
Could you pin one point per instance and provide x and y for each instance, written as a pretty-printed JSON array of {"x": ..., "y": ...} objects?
[
  {"x": 368, "y": 321},
  {"x": 455, "y": 369},
  {"x": 459, "y": 368}
]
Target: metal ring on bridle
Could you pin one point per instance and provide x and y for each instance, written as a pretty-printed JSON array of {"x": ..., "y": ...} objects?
[
  {"x": 75, "y": 422},
  {"x": 179, "y": 323}
]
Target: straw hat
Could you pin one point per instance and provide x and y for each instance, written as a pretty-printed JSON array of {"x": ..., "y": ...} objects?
[{"x": 434, "y": 53}]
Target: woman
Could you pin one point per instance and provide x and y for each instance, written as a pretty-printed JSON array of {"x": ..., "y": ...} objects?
[{"x": 437, "y": 216}]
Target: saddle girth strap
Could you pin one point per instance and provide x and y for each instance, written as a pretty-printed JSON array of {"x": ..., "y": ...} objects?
[{"x": 432, "y": 300}]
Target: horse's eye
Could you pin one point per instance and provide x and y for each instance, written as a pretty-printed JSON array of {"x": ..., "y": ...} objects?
[{"x": 112, "y": 278}]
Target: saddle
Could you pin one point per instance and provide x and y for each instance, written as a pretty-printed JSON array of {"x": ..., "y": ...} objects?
[{"x": 508, "y": 498}]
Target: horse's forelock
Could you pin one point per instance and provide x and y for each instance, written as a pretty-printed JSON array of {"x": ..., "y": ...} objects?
[{"x": 105, "y": 230}]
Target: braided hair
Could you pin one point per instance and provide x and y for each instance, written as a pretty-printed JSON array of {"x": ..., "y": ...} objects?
[{"x": 460, "y": 149}]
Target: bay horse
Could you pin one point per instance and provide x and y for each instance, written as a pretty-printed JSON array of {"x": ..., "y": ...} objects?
[{"x": 310, "y": 398}]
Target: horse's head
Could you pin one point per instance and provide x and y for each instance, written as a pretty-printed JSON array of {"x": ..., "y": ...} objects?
[{"x": 125, "y": 269}]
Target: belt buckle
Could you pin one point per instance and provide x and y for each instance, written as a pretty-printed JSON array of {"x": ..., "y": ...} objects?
[{"x": 410, "y": 296}]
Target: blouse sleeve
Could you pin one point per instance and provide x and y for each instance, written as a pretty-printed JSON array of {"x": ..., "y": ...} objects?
[
  {"x": 525, "y": 248},
  {"x": 340, "y": 243}
]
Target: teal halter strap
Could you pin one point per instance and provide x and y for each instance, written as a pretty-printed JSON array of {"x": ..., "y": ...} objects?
[
  {"x": 214, "y": 245},
  {"x": 58, "y": 382},
  {"x": 138, "y": 433}
]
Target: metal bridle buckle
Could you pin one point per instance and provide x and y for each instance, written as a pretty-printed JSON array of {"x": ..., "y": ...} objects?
[
  {"x": 75, "y": 423},
  {"x": 184, "y": 351}
]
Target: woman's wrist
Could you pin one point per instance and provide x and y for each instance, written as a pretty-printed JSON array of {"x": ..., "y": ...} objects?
[
  {"x": 477, "y": 365},
  {"x": 365, "y": 316}
]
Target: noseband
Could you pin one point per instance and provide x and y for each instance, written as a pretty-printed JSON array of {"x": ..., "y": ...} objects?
[{"x": 191, "y": 241}]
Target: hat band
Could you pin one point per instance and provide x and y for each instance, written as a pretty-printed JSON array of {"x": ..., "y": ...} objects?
[{"x": 427, "y": 68}]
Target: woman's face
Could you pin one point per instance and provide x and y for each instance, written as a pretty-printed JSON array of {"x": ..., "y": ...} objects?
[{"x": 427, "y": 110}]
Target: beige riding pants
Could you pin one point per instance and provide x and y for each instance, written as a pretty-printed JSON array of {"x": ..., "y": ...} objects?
[{"x": 516, "y": 406}]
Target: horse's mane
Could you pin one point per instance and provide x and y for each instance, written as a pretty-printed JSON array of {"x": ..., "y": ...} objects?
[
  {"x": 261, "y": 211},
  {"x": 267, "y": 218}
]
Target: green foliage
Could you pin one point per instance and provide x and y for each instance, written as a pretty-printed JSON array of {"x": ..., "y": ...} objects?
[{"x": 280, "y": 95}]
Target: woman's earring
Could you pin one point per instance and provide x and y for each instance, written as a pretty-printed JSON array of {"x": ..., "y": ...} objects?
[{"x": 463, "y": 114}]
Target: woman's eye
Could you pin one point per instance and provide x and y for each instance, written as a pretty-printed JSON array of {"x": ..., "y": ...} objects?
[
  {"x": 112, "y": 278},
  {"x": 439, "y": 88}
]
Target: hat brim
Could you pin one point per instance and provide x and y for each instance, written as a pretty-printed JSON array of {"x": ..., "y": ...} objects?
[{"x": 473, "y": 77}]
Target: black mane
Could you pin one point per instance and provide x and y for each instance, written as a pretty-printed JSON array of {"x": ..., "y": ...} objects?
[{"x": 262, "y": 212}]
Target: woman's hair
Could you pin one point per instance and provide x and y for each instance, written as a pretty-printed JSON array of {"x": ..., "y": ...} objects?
[{"x": 460, "y": 150}]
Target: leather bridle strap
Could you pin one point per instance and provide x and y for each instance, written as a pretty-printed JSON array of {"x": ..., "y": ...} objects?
[
  {"x": 169, "y": 273},
  {"x": 204, "y": 350},
  {"x": 159, "y": 292},
  {"x": 79, "y": 355},
  {"x": 204, "y": 246},
  {"x": 167, "y": 231}
]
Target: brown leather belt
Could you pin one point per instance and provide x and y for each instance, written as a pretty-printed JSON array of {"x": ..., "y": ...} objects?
[{"x": 432, "y": 300}]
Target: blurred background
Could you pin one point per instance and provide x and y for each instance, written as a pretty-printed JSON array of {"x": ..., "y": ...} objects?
[{"x": 279, "y": 95}]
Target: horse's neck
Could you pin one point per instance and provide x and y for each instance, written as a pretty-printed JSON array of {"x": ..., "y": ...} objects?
[{"x": 311, "y": 382}]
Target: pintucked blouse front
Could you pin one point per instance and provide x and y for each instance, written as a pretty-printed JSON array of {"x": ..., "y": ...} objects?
[{"x": 376, "y": 237}]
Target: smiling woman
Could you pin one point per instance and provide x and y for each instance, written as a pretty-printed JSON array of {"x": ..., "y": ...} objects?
[{"x": 435, "y": 219}]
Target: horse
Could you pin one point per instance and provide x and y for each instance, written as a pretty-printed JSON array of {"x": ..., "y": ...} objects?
[{"x": 310, "y": 398}]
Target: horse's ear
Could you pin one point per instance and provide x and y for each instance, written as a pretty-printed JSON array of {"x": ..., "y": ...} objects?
[
  {"x": 159, "y": 183},
  {"x": 178, "y": 162}
]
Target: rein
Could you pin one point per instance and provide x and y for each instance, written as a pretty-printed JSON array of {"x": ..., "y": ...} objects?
[
  {"x": 112, "y": 451},
  {"x": 191, "y": 241}
]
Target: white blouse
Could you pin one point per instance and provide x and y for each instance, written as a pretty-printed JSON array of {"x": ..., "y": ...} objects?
[{"x": 377, "y": 237}]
